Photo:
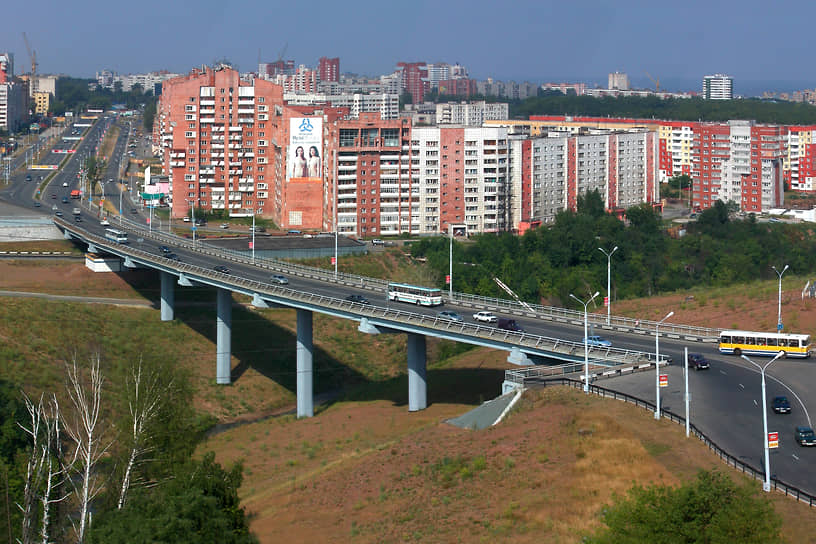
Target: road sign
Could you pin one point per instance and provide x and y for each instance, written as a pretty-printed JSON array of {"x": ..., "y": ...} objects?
[
  {"x": 664, "y": 380},
  {"x": 606, "y": 301},
  {"x": 447, "y": 279},
  {"x": 779, "y": 327},
  {"x": 773, "y": 440},
  {"x": 334, "y": 260},
  {"x": 251, "y": 245}
]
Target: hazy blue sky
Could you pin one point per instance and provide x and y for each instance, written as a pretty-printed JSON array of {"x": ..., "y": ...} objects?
[{"x": 678, "y": 42}]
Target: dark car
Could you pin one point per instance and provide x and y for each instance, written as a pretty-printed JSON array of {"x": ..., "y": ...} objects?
[
  {"x": 53, "y": 195},
  {"x": 509, "y": 325},
  {"x": 164, "y": 249},
  {"x": 78, "y": 218},
  {"x": 37, "y": 204},
  {"x": 805, "y": 436},
  {"x": 221, "y": 268},
  {"x": 28, "y": 177},
  {"x": 781, "y": 405},
  {"x": 698, "y": 362},
  {"x": 58, "y": 213},
  {"x": 65, "y": 200},
  {"x": 359, "y": 299},
  {"x": 133, "y": 210},
  {"x": 171, "y": 256}
]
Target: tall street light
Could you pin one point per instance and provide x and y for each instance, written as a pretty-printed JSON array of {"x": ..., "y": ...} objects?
[
  {"x": 192, "y": 214},
  {"x": 608, "y": 280},
  {"x": 779, "y": 305},
  {"x": 450, "y": 263},
  {"x": 766, "y": 485},
  {"x": 586, "y": 339},
  {"x": 657, "y": 365}
]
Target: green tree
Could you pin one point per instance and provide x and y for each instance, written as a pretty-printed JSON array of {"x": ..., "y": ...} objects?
[{"x": 711, "y": 510}]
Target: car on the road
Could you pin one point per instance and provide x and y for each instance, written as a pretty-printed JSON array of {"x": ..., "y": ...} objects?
[
  {"x": 509, "y": 325},
  {"x": 186, "y": 219},
  {"x": 65, "y": 200},
  {"x": 698, "y": 362},
  {"x": 280, "y": 279},
  {"x": 133, "y": 210},
  {"x": 781, "y": 405},
  {"x": 58, "y": 213},
  {"x": 28, "y": 177},
  {"x": 65, "y": 184},
  {"x": 221, "y": 268},
  {"x": 359, "y": 299},
  {"x": 223, "y": 226},
  {"x": 805, "y": 436},
  {"x": 171, "y": 256},
  {"x": 450, "y": 314},
  {"x": 37, "y": 204},
  {"x": 53, "y": 195},
  {"x": 598, "y": 342},
  {"x": 485, "y": 317},
  {"x": 105, "y": 222},
  {"x": 164, "y": 249},
  {"x": 78, "y": 218},
  {"x": 257, "y": 229}
]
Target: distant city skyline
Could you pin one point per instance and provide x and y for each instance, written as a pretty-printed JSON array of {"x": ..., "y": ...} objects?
[{"x": 534, "y": 41}]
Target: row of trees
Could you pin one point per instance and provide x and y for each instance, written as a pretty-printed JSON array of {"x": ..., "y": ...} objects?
[
  {"x": 681, "y": 109},
  {"x": 549, "y": 263},
  {"x": 126, "y": 457}
]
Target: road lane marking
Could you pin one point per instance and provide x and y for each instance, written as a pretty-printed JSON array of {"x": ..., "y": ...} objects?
[
  {"x": 722, "y": 372},
  {"x": 742, "y": 386},
  {"x": 756, "y": 403},
  {"x": 794, "y": 456}
]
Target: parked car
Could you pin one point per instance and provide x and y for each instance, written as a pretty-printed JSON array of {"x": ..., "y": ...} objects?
[
  {"x": 257, "y": 229},
  {"x": 448, "y": 314},
  {"x": 279, "y": 279},
  {"x": 223, "y": 226},
  {"x": 221, "y": 268},
  {"x": 377, "y": 242},
  {"x": 805, "y": 436},
  {"x": 186, "y": 219},
  {"x": 360, "y": 299},
  {"x": 509, "y": 325},
  {"x": 485, "y": 317},
  {"x": 698, "y": 362},
  {"x": 598, "y": 341},
  {"x": 781, "y": 405}
]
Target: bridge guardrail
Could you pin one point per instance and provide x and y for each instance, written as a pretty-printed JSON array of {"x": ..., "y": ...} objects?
[
  {"x": 732, "y": 461},
  {"x": 531, "y": 341},
  {"x": 539, "y": 311}
]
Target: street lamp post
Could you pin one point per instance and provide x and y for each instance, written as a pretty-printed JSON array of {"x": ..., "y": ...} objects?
[
  {"x": 779, "y": 305},
  {"x": 192, "y": 215},
  {"x": 657, "y": 365},
  {"x": 450, "y": 263},
  {"x": 586, "y": 338},
  {"x": 608, "y": 281},
  {"x": 253, "y": 237},
  {"x": 766, "y": 485}
]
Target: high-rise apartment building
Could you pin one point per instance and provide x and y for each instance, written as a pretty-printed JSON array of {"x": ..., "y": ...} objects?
[
  {"x": 414, "y": 79},
  {"x": 718, "y": 87},
  {"x": 619, "y": 81},
  {"x": 328, "y": 70},
  {"x": 471, "y": 113}
]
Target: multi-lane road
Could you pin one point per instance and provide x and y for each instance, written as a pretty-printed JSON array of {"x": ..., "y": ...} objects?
[{"x": 726, "y": 399}]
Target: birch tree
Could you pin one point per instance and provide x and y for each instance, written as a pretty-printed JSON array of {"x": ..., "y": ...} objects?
[{"x": 84, "y": 430}]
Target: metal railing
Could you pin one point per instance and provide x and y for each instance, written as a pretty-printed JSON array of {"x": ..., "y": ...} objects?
[
  {"x": 551, "y": 313},
  {"x": 730, "y": 460}
]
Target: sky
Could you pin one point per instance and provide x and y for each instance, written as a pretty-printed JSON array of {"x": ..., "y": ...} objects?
[{"x": 760, "y": 44}]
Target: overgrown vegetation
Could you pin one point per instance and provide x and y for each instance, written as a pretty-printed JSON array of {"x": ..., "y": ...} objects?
[{"x": 551, "y": 262}]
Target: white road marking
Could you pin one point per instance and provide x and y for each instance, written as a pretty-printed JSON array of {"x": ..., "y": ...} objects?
[
  {"x": 742, "y": 386},
  {"x": 756, "y": 403},
  {"x": 723, "y": 372},
  {"x": 794, "y": 456}
]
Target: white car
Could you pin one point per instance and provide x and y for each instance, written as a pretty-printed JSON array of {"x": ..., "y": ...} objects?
[
  {"x": 65, "y": 184},
  {"x": 105, "y": 222},
  {"x": 279, "y": 279},
  {"x": 485, "y": 317}
]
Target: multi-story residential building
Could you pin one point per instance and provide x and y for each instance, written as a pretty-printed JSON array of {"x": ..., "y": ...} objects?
[
  {"x": 718, "y": 87},
  {"x": 6, "y": 67},
  {"x": 457, "y": 87},
  {"x": 150, "y": 81},
  {"x": 618, "y": 80},
  {"x": 303, "y": 80},
  {"x": 414, "y": 79},
  {"x": 42, "y": 100},
  {"x": 12, "y": 95},
  {"x": 471, "y": 113},
  {"x": 268, "y": 70},
  {"x": 328, "y": 70},
  {"x": 387, "y": 105},
  {"x": 549, "y": 172}
]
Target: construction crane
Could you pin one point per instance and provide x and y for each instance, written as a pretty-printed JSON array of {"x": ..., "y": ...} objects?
[
  {"x": 31, "y": 54},
  {"x": 655, "y": 81}
]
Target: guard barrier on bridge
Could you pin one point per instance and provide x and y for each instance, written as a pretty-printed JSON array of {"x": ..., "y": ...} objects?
[
  {"x": 535, "y": 311},
  {"x": 757, "y": 474}
]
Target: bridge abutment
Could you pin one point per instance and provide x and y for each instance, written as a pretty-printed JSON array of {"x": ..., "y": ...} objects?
[
  {"x": 223, "y": 335},
  {"x": 167, "y": 296},
  {"x": 305, "y": 374},
  {"x": 417, "y": 380}
]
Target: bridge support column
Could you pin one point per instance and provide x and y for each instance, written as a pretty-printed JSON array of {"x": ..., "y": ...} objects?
[
  {"x": 305, "y": 379},
  {"x": 223, "y": 336},
  {"x": 167, "y": 296},
  {"x": 417, "y": 386}
]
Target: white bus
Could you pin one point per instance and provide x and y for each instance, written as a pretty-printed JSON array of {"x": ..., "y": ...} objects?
[
  {"x": 116, "y": 235},
  {"x": 764, "y": 343},
  {"x": 423, "y": 296}
]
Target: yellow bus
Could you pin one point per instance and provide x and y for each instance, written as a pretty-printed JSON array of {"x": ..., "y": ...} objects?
[{"x": 764, "y": 343}]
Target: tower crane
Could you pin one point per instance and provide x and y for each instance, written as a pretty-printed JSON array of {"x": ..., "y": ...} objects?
[
  {"x": 655, "y": 81},
  {"x": 32, "y": 55}
]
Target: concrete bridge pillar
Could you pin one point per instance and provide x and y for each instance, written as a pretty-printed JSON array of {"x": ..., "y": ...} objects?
[
  {"x": 305, "y": 377},
  {"x": 417, "y": 385},
  {"x": 167, "y": 296},
  {"x": 223, "y": 335}
]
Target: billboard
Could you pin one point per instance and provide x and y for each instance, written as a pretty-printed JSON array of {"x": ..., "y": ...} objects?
[{"x": 304, "y": 161}]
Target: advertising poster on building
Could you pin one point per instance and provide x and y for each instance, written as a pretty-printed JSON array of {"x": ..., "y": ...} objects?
[{"x": 305, "y": 145}]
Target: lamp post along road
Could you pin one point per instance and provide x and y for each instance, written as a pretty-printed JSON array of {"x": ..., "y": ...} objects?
[
  {"x": 779, "y": 304},
  {"x": 766, "y": 485},
  {"x": 450, "y": 263},
  {"x": 608, "y": 281},
  {"x": 657, "y": 365},
  {"x": 586, "y": 338}
]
